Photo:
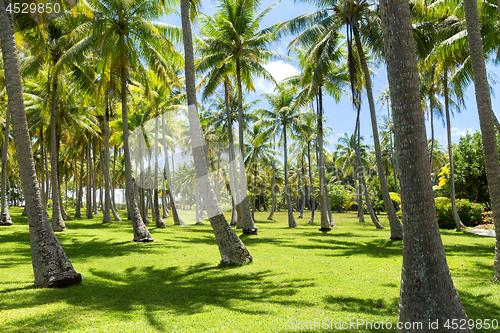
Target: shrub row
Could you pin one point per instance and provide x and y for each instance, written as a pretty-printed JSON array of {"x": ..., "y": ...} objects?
[{"x": 470, "y": 213}]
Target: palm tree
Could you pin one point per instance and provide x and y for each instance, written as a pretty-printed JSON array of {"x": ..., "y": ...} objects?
[
  {"x": 285, "y": 116},
  {"x": 5, "y": 218},
  {"x": 427, "y": 290},
  {"x": 51, "y": 266},
  {"x": 233, "y": 41},
  {"x": 123, "y": 30},
  {"x": 484, "y": 108},
  {"x": 231, "y": 248}
]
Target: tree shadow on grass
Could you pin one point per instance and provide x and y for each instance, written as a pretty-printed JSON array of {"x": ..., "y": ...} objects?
[{"x": 173, "y": 289}]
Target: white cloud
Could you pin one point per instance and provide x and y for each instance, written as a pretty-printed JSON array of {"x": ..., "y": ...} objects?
[
  {"x": 280, "y": 70},
  {"x": 458, "y": 132}
]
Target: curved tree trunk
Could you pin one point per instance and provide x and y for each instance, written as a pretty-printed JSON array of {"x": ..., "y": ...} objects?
[
  {"x": 141, "y": 233},
  {"x": 395, "y": 224},
  {"x": 484, "y": 108},
  {"x": 6, "y": 220},
  {"x": 454, "y": 212},
  {"x": 248, "y": 225},
  {"x": 231, "y": 248},
  {"x": 427, "y": 291},
  {"x": 325, "y": 223},
  {"x": 57, "y": 219},
  {"x": 51, "y": 266},
  {"x": 291, "y": 219}
]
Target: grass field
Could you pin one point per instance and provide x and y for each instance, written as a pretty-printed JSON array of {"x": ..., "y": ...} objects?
[{"x": 175, "y": 284}]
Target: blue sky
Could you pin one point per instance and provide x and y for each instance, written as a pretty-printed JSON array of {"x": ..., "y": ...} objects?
[{"x": 340, "y": 117}]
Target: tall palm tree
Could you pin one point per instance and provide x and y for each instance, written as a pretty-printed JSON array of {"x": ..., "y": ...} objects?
[
  {"x": 124, "y": 31},
  {"x": 5, "y": 216},
  {"x": 233, "y": 39},
  {"x": 285, "y": 116},
  {"x": 51, "y": 266},
  {"x": 427, "y": 290},
  {"x": 231, "y": 248},
  {"x": 484, "y": 108}
]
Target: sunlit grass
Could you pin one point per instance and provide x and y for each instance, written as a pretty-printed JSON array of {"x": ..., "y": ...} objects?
[{"x": 175, "y": 284}]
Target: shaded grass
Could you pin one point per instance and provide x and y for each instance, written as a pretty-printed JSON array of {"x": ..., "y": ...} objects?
[{"x": 176, "y": 285}]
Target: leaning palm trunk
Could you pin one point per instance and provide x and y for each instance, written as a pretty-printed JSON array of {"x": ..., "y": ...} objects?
[
  {"x": 156, "y": 205},
  {"x": 313, "y": 199},
  {"x": 141, "y": 233},
  {"x": 6, "y": 220},
  {"x": 291, "y": 219},
  {"x": 484, "y": 108},
  {"x": 57, "y": 219},
  {"x": 362, "y": 182},
  {"x": 454, "y": 212},
  {"x": 231, "y": 248},
  {"x": 427, "y": 291},
  {"x": 51, "y": 266},
  {"x": 394, "y": 223},
  {"x": 106, "y": 216},
  {"x": 325, "y": 223}
]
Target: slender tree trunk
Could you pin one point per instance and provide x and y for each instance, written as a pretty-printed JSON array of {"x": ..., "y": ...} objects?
[
  {"x": 427, "y": 291},
  {"x": 273, "y": 188},
  {"x": 303, "y": 201},
  {"x": 88, "y": 203},
  {"x": 175, "y": 213},
  {"x": 253, "y": 190},
  {"x": 231, "y": 248},
  {"x": 156, "y": 205},
  {"x": 47, "y": 180},
  {"x": 51, "y": 266},
  {"x": 362, "y": 175},
  {"x": 313, "y": 199},
  {"x": 359, "y": 198},
  {"x": 291, "y": 219},
  {"x": 106, "y": 216},
  {"x": 394, "y": 165},
  {"x": 483, "y": 101},
  {"x": 80, "y": 189},
  {"x": 325, "y": 225},
  {"x": 6, "y": 220},
  {"x": 141, "y": 233},
  {"x": 395, "y": 224},
  {"x": 328, "y": 205},
  {"x": 116, "y": 216},
  {"x": 94, "y": 182},
  {"x": 431, "y": 153},
  {"x": 57, "y": 219},
  {"x": 454, "y": 211},
  {"x": 42, "y": 163},
  {"x": 249, "y": 227}
]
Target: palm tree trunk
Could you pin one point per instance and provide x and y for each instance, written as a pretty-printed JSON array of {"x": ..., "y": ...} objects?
[
  {"x": 248, "y": 225},
  {"x": 313, "y": 199},
  {"x": 6, "y": 220},
  {"x": 329, "y": 206},
  {"x": 94, "y": 182},
  {"x": 362, "y": 175},
  {"x": 156, "y": 205},
  {"x": 325, "y": 225},
  {"x": 394, "y": 165},
  {"x": 57, "y": 219},
  {"x": 231, "y": 248},
  {"x": 51, "y": 266},
  {"x": 88, "y": 202},
  {"x": 106, "y": 216},
  {"x": 177, "y": 218},
  {"x": 454, "y": 212},
  {"x": 273, "y": 189},
  {"x": 42, "y": 163},
  {"x": 395, "y": 224},
  {"x": 254, "y": 188},
  {"x": 80, "y": 188},
  {"x": 291, "y": 219},
  {"x": 431, "y": 152},
  {"x": 302, "y": 177},
  {"x": 427, "y": 290},
  {"x": 483, "y": 101},
  {"x": 141, "y": 233}
]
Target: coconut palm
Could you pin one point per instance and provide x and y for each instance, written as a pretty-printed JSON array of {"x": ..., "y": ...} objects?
[
  {"x": 51, "y": 266},
  {"x": 427, "y": 290},
  {"x": 231, "y": 248},
  {"x": 235, "y": 42},
  {"x": 483, "y": 101}
]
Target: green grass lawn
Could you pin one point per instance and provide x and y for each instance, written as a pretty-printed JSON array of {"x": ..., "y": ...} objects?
[{"x": 175, "y": 284}]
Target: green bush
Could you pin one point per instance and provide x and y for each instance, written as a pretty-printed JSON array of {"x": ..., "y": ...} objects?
[
  {"x": 342, "y": 197},
  {"x": 470, "y": 213}
]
